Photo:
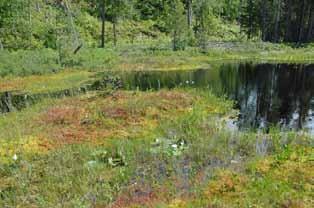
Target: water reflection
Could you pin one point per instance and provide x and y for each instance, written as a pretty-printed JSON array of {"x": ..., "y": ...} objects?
[
  {"x": 265, "y": 94},
  {"x": 271, "y": 94}
]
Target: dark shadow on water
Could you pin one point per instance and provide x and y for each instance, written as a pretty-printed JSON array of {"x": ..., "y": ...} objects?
[{"x": 265, "y": 94}]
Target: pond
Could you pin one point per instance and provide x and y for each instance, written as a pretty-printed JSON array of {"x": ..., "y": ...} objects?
[{"x": 265, "y": 94}]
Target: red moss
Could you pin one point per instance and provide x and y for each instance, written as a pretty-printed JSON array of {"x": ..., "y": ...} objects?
[
  {"x": 292, "y": 204},
  {"x": 116, "y": 113},
  {"x": 77, "y": 120},
  {"x": 62, "y": 115},
  {"x": 136, "y": 196}
]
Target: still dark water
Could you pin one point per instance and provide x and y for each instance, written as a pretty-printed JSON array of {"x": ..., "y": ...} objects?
[{"x": 265, "y": 94}]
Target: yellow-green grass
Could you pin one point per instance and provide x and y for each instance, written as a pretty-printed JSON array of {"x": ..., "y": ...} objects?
[
  {"x": 159, "y": 61},
  {"x": 94, "y": 118},
  {"x": 72, "y": 130},
  {"x": 192, "y": 59},
  {"x": 45, "y": 83},
  {"x": 149, "y": 57},
  {"x": 63, "y": 152},
  {"x": 284, "y": 179}
]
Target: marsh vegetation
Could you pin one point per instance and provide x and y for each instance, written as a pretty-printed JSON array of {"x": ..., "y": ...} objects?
[{"x": 150, "y": 103}]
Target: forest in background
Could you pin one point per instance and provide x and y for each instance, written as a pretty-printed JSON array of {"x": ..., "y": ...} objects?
[
  {"x": 58, "y": 24},
  {"x": 156, "y": 103}
]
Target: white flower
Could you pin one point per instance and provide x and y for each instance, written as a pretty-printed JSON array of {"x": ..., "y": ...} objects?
[
  {"x": 15, "y": 157},
  {"x": 187, "y": 82},
  {"x": 92, "y": 162},
  {"x": 110, "y": 161},
  {"x": 234, "y": 162},
  {"x": 174, "y": 146}
]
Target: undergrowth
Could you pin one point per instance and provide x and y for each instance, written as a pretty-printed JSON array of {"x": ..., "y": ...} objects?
[
  {"x": 154, "y": 55},
  {"x": 148, "y": 149}
]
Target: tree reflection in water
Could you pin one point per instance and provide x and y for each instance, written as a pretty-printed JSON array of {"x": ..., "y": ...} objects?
[{"x": 265, "y": 94}]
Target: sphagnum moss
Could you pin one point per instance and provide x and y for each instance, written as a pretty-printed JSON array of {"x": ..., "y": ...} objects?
[{"x": 166, "y": 148}]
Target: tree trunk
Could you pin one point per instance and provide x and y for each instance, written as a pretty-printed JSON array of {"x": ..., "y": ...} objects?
[
  {"x": 250, "y": 31},
  {"x": 30, "y": 22},
  {"x": 174, "y": 41},
  {"x": 264, "y": 21},
  {"x": 189, "y": 13},
  {"x": 114, "y": 31},
  {"x": 302, "y": 23},
  {"x": 288, "y": 21},
  {"x": 310, "y": 25},
  {"x": 240, "y": 15},
  {"x": 277, "y": 21},
  {"x": 103, "y": 20}
]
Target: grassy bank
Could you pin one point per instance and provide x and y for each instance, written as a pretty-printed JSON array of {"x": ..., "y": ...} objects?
[
  {"x": 42, "y": 71},
  {"x": 45, "y": 83},
  {"x": 150, "y": 56},
  {"x": 147, "y": 149}
]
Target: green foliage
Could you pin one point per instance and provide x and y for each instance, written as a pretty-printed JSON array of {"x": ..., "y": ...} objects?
[
  {"x": 278, "y": 20},
  {"x": 66, "y": 25},
  {"x": 138, "y": 149},
  {"x": 151, "y": 54},
  {"x": 189, "y": 152},
  {"x": 28, "y": 62},
  {"x": 230, "y": 9},
  {"x": 177, "y": 25},
  {"x": 206, "y": 20}
]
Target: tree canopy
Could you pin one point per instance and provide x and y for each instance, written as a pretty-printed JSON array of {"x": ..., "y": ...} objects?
[{"x": 32, "y": 24}]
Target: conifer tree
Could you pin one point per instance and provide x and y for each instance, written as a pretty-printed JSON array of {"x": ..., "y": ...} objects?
[{"x": 177, "y": 24}]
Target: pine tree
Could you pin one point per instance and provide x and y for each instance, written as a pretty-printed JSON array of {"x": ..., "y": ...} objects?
[
  {"x": 204, "y": 18},
  {"x": 177, "y": 24}
]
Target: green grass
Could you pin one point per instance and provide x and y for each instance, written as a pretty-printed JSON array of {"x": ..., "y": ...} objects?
[
  {"x": 147, "y": 149},
  {"x": 41, "y": 71},
  {"x": 149, "y": 56},
  {"x": 45, "y": 83},
  {"x": 170, "y": 148},
  {"x": 23, "y": 63}
]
